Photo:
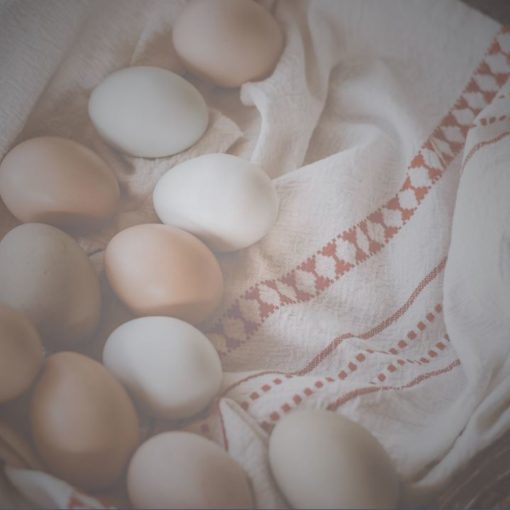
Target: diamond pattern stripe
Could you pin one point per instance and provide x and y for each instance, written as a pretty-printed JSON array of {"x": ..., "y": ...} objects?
[{"x": 445, "y": 142}]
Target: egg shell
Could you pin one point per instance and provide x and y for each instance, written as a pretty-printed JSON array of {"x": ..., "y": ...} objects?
[
  {"x": 323, "y": 460},
  {"x": 15, "y": 450},
  {"x": 21, "y": 353},
  {"x": 148, "y": 111},
  {"x": 162, "y": 270},
  {"x": 167, "y": 364},
  {"x": 46, "y": 275},
  {"x": 227, "y": 42},
  {"x": 83, "y": 422},
  {"x": 224, "y": 200},
  {"x": 184, "y": 470},
  {"x": 57, "y": 181}
]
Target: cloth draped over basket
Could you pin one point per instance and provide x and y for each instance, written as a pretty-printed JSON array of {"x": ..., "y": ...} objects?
[{"x": 382, "y": 292}]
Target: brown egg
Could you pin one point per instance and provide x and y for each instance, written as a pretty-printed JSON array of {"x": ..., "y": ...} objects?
[
  {"x": 57, "y": 181},
  {"x": 84, "y": 425},
  {"x": 15, "y": 450},
  {"x": 21, "y": 353},
  {"x": 184, "y": 470},
  {"x": 162, "y": 270},
  {"x": 46, "y": 275},
  {"x": 228, "y": 42}
]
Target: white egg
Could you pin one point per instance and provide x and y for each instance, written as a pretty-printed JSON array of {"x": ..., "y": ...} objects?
[
  {"x": 323, "y": 460},
  {"x": 224, "y": 200},
  {"x": 169, "y": 366},
  {"x": 184, "y": 470},
  {"x": 148, "y": 112}
]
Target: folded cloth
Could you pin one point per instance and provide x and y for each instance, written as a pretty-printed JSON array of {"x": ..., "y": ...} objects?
[
  {"x": 366, "y": 125},
  {"x": 477, "y": 283}
]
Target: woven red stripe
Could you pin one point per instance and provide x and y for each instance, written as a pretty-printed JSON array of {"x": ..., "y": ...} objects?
[
  {"x": 380, "y": 327},
  {"x": 372, "y": 389},
  {"x": 480, "y": 145},
  {"x": 380, "y": 377},
  {"x": 343, "y": 374},
  {"x": 327, "y": 351},
  {"x": 391, "y": 368},
  {"x": 359, "y": 392}
]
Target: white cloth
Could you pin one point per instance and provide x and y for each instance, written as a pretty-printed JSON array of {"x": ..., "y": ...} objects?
[{"x": 364, "y": 126}]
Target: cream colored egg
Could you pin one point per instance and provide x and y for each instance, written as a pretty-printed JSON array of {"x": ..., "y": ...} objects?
[
  {"x": 228, "y": 42},
  {"x": 322, "y": 460},
  {"x": 21, "y": 353},
  {"x": 224, "y": 200},
  {"x": 148, "y": 111},
  {"x": 57, "y": 181},
  {"x": 184, "y": 470},
  {"x": 47, "y": 276},
  {"x": 161, "y": 270},
  {"x": 83, "y": 422},
  {"x": 168, "y": 365}
]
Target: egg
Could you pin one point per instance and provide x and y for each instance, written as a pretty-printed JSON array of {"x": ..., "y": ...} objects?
[
  {"x": 228, "y": 42},
  {"x": 46, "y": 275},
  {"x": 15, "y": 450},
  {"x": 161, "y": 270},
  {"x": 167, "y": 364},
  {"x": 57, "y": 181},
  {"x": 184, "y": 470},
  {"x": 21, "y": 353},
  {"x": 83, "y": 423},
  {"x": 322, "y": 460},
  {"x": 148, "y": 112},
  {"x": 224, "y": 200}
]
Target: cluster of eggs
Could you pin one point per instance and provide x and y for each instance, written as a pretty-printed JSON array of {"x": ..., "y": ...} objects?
[{"x": 84, "y": 414}]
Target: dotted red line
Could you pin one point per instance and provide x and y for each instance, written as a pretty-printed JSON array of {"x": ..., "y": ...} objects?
[
  {"x": 487, "y": 121},
  {"x": 480, "y": 145},
  {"x": 372, "y": 389},
  {"x": 353, "y": 365},
  {"x": 392, "y": 368},
  {"x": 275, "y": 416},
  {"x": 324, "y": 353}
]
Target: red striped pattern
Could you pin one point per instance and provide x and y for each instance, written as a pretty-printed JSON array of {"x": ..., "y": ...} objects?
[
  {"x": 353, "y": 364},
  {"x": 480, "y": 145},
  {"x": 359, "y": 392},
  {"x": 320, "y": 357},
  {"x": 372, "y": 389},
  {"x": 351, "y": 367},
  {"x": 400, "y": 362},
  {"x": 487, "y": 121}
]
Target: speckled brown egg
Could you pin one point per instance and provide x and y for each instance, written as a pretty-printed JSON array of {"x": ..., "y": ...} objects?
[
  {"x": 83, "y": 422},
  {"x": 21, "y": 353},
  {"x": 57, "y": 181},
  {"x": 228, "y": 42},
  {"x": 162, "y": 270},
  {"x": 46, "y": 275}
]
